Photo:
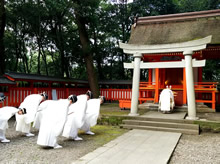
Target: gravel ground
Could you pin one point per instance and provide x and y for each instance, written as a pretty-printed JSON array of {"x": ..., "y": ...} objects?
[
  {"x": 23, "y": 149},
  {"x": 201, "y": 149}
]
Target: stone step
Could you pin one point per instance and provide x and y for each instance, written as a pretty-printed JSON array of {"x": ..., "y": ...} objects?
[
  {"x": 162, "y": 124},
  {"x": 184, "y": 131},
  {"x": 199, "y": 107},
  {"x": 160, "y": 119}
]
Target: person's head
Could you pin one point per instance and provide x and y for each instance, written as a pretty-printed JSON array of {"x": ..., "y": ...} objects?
[
  {"x": 72, "y": 98},
  {"x": 2, "y": 97},
  {"x": 22, "y": 111},
  {"x": 102, "y": 99},
  {"x": 89, "y": 94},
  {"x": 44, "y": 95}
]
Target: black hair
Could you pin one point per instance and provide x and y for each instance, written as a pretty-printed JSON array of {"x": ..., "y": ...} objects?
[
  {"x": 23, "y": 110},
  {"x": 73, "y": 98},
  {"x": 44, "y": 95},
  {"x": 102, "y": 98},
  {"x": 89, "y": 93},
  {"x": 2, "y": 97}
]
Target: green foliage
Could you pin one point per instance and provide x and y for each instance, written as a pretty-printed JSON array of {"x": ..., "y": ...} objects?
[
  {"x": 196, "y": 5},
  {"x": 41, "y": 36},
  {"x": 212, "y": 70}
]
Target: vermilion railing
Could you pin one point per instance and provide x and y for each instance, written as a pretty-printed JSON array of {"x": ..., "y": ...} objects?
[{"x": 206, "y": 92}]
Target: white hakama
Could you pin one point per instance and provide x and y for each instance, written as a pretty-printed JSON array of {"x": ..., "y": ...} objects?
[
  {"x": 31, "y": 104},
  {"x": 52, "y": 123},
  {"x": 75, "y": 118},
  {"x": 166, "y": 102},
  {"x": 5, "y": 114},
  {"x": 92, "y": 114}
]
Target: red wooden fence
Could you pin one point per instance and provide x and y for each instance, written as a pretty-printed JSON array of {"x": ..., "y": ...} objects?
[{"x": 16, "y": 95}]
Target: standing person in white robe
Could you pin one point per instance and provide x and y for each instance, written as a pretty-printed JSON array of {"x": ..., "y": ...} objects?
[
  {"x": 75, "y": 118},
  {"x": 40, "y": 111},
  {"x": 53, "y": 120},
  {"x": 30, "y": 103},
  {"x": 166, "y": 102},
  {"x": 92, "y": 113},
  {"x": 5, "y": 114}
]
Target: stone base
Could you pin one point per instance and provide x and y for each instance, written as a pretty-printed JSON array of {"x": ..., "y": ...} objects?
[
  {"x": 192, "y": 118},
  {"x": 133, "y": 114}
]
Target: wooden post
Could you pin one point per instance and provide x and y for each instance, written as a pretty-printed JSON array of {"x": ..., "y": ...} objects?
[
  {"x": 213, "y": 100},
  {"x": 184, "y": 86},
  {"x": 149, "y": 93},
  {"x": 200, "y": 80},
  {"x": 157, "y": 85}
]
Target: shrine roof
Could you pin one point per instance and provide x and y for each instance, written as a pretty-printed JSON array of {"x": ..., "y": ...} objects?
[
  {"x": 36, "y": 77},
  {"x": 176, "y": 28},
  {"x": 16, "y": 76}
]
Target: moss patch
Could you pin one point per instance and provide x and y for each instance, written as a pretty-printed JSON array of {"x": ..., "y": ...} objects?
[
  {"x": 114, "y": 109},
  {"x": 103, "y": 133},
  {"x": 207, "y": 126}
]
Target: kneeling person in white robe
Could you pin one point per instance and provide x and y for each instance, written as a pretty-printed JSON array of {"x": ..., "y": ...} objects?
[
  {"x": 166, "y": 102},
  {"x": 53, "y": 120},
  {"x": 31, "y": 104}
]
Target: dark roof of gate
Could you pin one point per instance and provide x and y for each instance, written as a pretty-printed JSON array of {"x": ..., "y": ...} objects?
[
  {"x": 176, "y": 28},
  {"x": 5, "y": 80}
]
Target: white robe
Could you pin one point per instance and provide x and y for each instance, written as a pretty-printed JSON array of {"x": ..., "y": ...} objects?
[
  {"x": 40, "y": 111},
  {"x": 75, "y": 118},
  {"x": 5, "y": 114},
  {"x": 166, "y": 102},
  {"x": 31, "y": 104},
  {"x": 52, "y": 123},
  {"x": 92, "y": 114}
]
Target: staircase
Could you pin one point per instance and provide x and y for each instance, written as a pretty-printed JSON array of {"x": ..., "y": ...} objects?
[{"x": 160, "y": 124}]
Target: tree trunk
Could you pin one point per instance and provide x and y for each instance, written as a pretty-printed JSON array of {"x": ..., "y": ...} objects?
[
  {"x": 2, "y": 30},
  {"x": 92, "y": 77}
]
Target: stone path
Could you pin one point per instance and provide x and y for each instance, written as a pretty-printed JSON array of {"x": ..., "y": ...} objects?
[{"x": 135, "y": 147}]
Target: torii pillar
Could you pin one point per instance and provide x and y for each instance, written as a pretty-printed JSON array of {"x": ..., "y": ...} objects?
[
  {"x": 190, "y": 86},
  {"x": 135, "y": 84}
]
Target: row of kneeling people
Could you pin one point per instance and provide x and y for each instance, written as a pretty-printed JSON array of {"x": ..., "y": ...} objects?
[{"x": 52, "y": 117}]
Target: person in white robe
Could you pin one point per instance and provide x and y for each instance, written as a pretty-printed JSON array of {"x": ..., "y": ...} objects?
[
  {"x": 30, "y": 103},
  {"x": 40, "y": 111},
  {"x": 166, "y": 101},
  {"x": 75, "y": 118},
  {"x": 92, "y": 114},
  {"x": 53, "y": 120},
  {"x": 5, "y": 114}
]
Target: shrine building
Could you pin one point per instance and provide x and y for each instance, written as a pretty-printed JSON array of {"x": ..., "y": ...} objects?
[{"x": 174, "y": 49}]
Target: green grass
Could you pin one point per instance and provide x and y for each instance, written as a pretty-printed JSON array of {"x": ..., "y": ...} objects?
[
  {"x": 104, "y": 133},
  {"x": 113, "y": 109},
  {"x": 209, "y": 126}
]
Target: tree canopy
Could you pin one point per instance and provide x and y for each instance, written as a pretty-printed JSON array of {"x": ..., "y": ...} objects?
[{"x": 76, "y": 38}]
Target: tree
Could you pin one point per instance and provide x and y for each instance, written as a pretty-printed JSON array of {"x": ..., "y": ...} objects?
[
  {"x": 80, "y": 10},
  {"x": 2, "y": 30}
]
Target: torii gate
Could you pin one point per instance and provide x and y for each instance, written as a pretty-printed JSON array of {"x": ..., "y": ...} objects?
[{"x": 186, "y": 48}]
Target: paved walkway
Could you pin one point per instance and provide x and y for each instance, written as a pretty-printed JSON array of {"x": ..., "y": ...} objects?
[{"x": 135, "y": 147}]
